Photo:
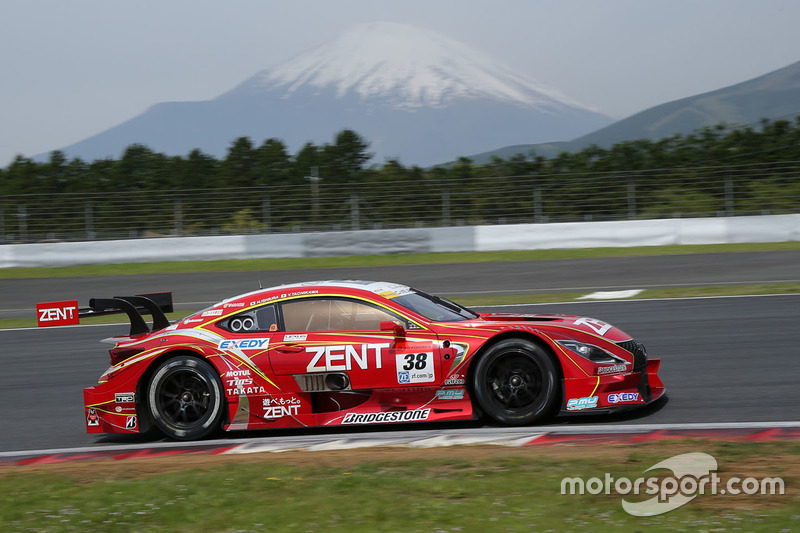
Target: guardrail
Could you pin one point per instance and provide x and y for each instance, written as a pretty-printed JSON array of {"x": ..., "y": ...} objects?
[{"x": 775, "y": 228}]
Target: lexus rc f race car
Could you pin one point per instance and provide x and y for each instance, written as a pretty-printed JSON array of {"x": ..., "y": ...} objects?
[{"x": 351, "y": 352}]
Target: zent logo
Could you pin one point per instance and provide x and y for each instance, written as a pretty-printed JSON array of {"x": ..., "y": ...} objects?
[
  {"x": 57, "y": 313},
  {"x": 345, "y": 357}
]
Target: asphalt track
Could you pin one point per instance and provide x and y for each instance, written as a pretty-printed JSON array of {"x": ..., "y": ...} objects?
[
  {"x": 195, "y": 291},
  {"x": 723, "y": 359}
]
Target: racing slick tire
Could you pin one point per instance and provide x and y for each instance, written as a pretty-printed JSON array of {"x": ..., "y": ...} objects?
[
  {"x": 185, "y": 398},
  {"x": 516, "y": 382}
]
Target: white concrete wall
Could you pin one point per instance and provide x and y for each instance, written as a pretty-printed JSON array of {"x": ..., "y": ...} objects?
[{"x": 775, "y": 228}]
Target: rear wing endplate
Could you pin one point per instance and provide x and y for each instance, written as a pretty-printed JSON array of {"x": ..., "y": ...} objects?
[{"x": 67, "y": 312}]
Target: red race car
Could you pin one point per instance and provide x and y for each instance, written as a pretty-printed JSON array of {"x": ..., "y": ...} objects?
[{"x": 352, "y": 352}]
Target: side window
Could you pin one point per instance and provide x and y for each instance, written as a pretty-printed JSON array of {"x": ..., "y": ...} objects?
[
  {"x": 333, "y": 314},
  {"x": 261, "y": 319}
]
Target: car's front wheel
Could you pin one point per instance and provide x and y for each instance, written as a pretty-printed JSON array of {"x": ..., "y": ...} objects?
[
  {"x": 515, "y": 382},
  {"x": 185, "y": 398}
]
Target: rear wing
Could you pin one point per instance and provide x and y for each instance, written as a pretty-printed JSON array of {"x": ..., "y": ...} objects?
[{"x": 67, "y": 312}]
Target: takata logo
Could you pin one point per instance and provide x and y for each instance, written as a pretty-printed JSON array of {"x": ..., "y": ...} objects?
[{"x": 57, "y": 313}]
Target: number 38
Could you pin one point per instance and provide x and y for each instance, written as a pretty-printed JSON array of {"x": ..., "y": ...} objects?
[{"x": 415, "y": 361}]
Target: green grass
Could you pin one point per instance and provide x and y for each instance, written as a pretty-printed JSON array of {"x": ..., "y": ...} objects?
[
  {"x": 499, "y": 492},
  {"x": 380, "y": 260}
]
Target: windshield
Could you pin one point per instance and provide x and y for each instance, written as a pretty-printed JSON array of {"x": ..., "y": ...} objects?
[{"x": 434, "y": 307}]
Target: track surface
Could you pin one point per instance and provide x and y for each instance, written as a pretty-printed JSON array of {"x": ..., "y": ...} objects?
[
  {"x": 723, "y": 359},
  {"x": 195, "y": 291}
]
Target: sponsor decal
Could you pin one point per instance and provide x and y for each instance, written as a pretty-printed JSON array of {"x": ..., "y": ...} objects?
[
  {"x": 389, "y": 416},
  {"x": 57, "y": 313},
  {"x": 124, "y": 397},
  {"x": 623, "y": 397},
  {"x": 577, "y": 404},
  {"x": 611, "y": 369},
  {"x": 281, "y": 296},
  {"x": 92, "y": 419},
  {"x": 281, "y": 400},
  {"x": 130, "y": 422},
  {"x": 243, "y": 387},
  {"x": 237, "y": 304},
  {"x": 239, "y": 382},
  {"x": 455, "y": 379},
  {"x": 212, "y": 312},
  {"x": 243, "y": 344},
  {"x": 192, "y": 320},
  {"x": 345, "y": 357},
  {"x": 295, "y": 337},
  {"x": 281, "y": 406},
  {"x": 415, "y": 367},
  {"x": 598, "y": 326},
  {"x": 279, "y": 411},
  {"x": 450, "y": 394},
  {"x": 297, "y": 293}
]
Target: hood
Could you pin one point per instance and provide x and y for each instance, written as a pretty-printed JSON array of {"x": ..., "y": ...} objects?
[{"x": 589, "y": 325}]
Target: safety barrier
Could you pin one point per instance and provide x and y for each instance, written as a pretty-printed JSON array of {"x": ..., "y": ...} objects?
[{"x": 624, "y": 233}]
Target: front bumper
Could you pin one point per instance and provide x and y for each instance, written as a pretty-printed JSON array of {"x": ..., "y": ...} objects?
[{"x": 612, "y": 393}]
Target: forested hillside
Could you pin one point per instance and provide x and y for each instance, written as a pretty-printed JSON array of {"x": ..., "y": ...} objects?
[{"x": 264, "y": 188}]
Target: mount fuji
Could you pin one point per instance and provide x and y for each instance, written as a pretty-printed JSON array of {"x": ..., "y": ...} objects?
[{"x": 413, "y": 94}]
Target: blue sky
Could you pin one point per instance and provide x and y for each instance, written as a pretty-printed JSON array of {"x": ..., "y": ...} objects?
[{"x": 70, "y": 69}]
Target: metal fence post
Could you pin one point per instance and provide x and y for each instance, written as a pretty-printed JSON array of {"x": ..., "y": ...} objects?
[
  {"x": 90, "y": 234},
  {"x": 729, "y": 200},
  {"x": 446, "y": 207},
  {"x": 178, "y": 217},
  {"x": 631, "y": 198},
  {"x": 266, "y": 213},
  {"x": 537, "y": 203},
  {"x": 354, "y": 214},
  {"x": 23, "y": 223}
]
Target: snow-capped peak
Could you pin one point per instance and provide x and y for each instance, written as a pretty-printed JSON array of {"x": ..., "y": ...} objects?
[{"x": 405, "y": 66}]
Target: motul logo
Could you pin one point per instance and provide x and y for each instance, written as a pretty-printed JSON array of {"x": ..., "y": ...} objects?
[{"x": 57, "y": 313}]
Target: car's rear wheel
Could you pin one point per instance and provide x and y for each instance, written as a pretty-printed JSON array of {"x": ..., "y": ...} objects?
[
  {"x": 184, "y": 397},
  {"x": 515, "y": 382}
]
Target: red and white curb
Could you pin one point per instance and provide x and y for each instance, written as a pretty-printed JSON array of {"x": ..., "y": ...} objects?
[{"x": 544, "y": 436}]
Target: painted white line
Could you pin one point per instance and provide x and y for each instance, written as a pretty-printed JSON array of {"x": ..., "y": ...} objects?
[
  {"x": 618, "y": 287},
  {"x": 611, "y": 295},
  {"x": 573, "y": 302},
  {"x": 446, "y": 440}
]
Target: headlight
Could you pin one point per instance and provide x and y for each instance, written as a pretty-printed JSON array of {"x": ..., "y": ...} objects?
[{"x": 593, "y": 353}]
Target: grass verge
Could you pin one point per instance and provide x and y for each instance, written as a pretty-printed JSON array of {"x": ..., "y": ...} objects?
[
  {"x": 461, "y": 489},
  {"x": 176, "y": 267}
]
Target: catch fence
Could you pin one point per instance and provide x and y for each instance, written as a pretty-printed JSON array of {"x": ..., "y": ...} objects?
[{"x": 766, "y": 188}]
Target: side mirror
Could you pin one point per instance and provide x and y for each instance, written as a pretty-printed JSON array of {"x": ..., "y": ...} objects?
[{"x": 399, "y": 331}]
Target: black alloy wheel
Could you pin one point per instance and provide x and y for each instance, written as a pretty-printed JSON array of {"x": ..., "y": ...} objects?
[
  {"x": 516, "y": 383},
  {"x": 184, "y": 397}
]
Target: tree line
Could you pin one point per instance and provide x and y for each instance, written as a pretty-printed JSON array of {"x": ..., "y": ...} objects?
[
  {"x": 690, "y": 174},
  {"x": 344, "y": 161}
]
